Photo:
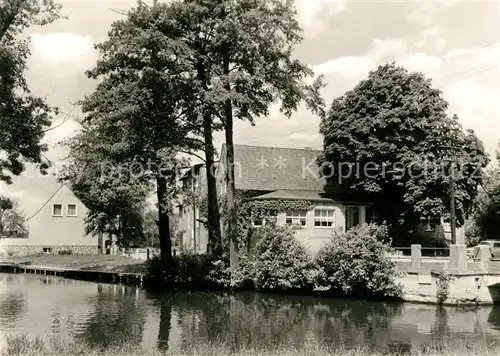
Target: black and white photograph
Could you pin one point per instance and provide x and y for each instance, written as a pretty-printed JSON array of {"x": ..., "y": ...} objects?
[{"x": 250, "y": 177}]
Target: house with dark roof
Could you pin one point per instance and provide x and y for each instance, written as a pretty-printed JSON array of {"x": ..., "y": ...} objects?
[
  {"x": 56, "y": 224},
  {"x": 277, "y": 173}
]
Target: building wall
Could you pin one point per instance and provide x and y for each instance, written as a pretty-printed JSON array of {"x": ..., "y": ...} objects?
[
  {"x": 194, "y": 234},
  {"x": 313, "y": 237},
  {"x": 58, "y": 232}
]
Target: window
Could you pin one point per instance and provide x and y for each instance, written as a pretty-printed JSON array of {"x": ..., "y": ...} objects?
[
  {"x": 47, "y": 250},
  {"x": 372, "y": 215},
  {"x": 323, "y": 217},
  {"x": 296, "y": 218},
  {"x": 351, "y": 216},
  {"x": 258, "y": 222},
  {"x": 71, "y": 210},
  {"x": 57, "y": 210}
]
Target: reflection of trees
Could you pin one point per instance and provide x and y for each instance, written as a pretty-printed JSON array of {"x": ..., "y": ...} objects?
[
  {"x": 260, "y": 320},
  {"x": 494, "y": 317},
  {"x": 118, "y": 317},
  {"x": 12, "y": 306},
  {"x": 165, "y": 323}
]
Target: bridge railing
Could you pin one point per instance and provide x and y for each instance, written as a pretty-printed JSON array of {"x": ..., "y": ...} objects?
[{"x": 426, "y": 252}]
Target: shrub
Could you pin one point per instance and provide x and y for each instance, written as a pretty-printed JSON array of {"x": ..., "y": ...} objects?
[
  {"x": 281, "y": 262},
  {"x": 66, "y": 252},
  {"x": 221, "y": 274},
  {"x": 188, "y": 270},
  {"x": 355, "y": 264}
]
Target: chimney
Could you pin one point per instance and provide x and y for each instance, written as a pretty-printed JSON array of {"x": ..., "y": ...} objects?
[{"x": 308, "y": 148}]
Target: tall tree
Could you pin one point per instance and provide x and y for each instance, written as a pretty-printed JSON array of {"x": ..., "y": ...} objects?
[
  {"x": 142, "y": 101},
  {"x": 391, "y": 139},
  {"x": 243, "y": 57},
  {"x": 23, "y": 117},
  {"x": 253, "y": 68},
  {"x": 196, "y": 31}
]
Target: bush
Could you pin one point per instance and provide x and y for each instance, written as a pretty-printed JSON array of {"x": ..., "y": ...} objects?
[
  {"x": 222, "y": 275},
  {"x": 66, "y": 252},
  {"x": 281, "y": 262},
  {"x": 188, "y": 270},
  {"x": 355, "y": 264}
]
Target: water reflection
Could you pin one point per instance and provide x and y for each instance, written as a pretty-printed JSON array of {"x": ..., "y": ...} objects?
[
  {"x": 165, "y": 323},
  {"x": 103, "y": 315},
  {"x": 118, "y": 317}
]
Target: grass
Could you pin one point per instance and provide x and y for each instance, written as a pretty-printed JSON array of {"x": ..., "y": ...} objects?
[
  {"x": 22, "y": 345},
  {"x": 104, "y": 263}
]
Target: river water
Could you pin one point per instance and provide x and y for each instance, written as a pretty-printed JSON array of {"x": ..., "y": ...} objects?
[{"x": 101, "y": 314}]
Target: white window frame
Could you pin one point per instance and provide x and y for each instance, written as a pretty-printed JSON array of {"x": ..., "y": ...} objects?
[
  {"x": 296, "y": 217},
  {"x": 324, "y": 218},
  {"x": 67, "y": 210},
  {"x": 62, "y": 210}
]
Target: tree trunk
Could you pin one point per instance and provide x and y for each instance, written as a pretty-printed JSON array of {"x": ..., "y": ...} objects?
[
  {"x": 231, "y": 207},
  {"x": 165, "y": 324},
  {"x": 213, "y": 215},
  {"x": 214, "y": 229},
  {"x": 163, "y": 221}
]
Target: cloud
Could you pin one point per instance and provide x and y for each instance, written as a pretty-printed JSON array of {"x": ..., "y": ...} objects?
[
  {"x": 461, "y": 75},
  {"x": 310, "y": 13},
  {"x": 62, "y": 48},
  {"x": 426, "y": 15}
]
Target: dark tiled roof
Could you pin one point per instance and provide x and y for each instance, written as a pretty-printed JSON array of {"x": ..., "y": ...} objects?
[{"x": 275, "y": 168}]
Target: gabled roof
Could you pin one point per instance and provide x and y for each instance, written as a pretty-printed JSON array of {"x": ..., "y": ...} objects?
[
  {"x": 275, "y": 168},
  {"x": 61, "y": 187}
]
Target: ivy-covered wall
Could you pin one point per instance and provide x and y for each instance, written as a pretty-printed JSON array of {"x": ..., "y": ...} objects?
[{"x": 247, "y": 210}]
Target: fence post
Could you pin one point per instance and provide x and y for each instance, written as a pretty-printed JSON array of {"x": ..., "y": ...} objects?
[
  {"x": 147, "y": 254},
  {"x": 458, "y": 257},
  {"x": 416, "y": 255},
  {"x": 483, "y": 257}
]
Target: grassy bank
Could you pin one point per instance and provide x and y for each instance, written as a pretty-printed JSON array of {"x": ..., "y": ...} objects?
[
  {"x": 50, "y": 346},
  {"x": 104, "y": 263}
]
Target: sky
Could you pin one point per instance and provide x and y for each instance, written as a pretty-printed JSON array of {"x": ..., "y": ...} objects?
[{"x": 456, "y": 43}]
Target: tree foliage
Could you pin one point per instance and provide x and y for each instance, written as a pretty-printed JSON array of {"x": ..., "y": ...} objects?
[
  {"x": 12, "y": 220},
  {"x": 391, "y": 139},
  {"x": 24, "y": 117},
  {"x": 245, "y": 64},
  {"x": 142, "y": 102},
  {"x": 486, "y": 216}
]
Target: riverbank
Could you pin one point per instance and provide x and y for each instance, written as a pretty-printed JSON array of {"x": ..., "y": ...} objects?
[
  {"x": 98, "y": 263},
  {"x": 21, "y": 345}
]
